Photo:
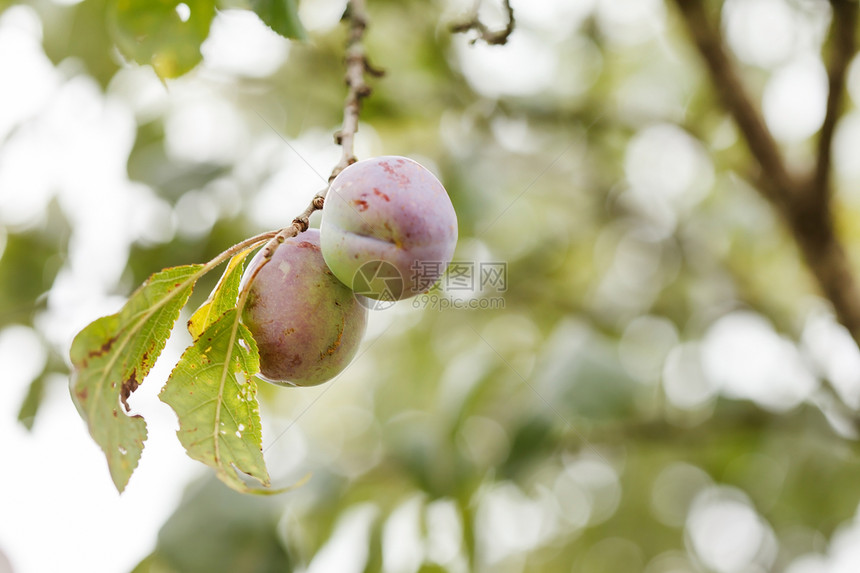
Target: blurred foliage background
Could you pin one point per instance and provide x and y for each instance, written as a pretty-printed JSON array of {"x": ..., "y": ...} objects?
[{"x": 647, "y": 397}]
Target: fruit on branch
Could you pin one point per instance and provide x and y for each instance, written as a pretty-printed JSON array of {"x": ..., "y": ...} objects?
[
  {"x": 385, "y": 217},
  {"x": 306, "y": 323}
]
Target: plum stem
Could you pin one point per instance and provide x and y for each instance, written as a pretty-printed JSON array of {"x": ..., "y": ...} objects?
[{"x": 238, "y": 247}]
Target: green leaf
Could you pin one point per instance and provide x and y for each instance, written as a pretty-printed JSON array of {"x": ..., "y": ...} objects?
[
  {"x": 82, "y": 33},
  {"x": 213, "y": 392},
  {"x": 113, "y": 355},
  {"x": 222, "y": 299},
  {"x": 153, "y": 32},
  {"x": 240, "y": 534},
  {"x": 30, "y": 404},
  {"x": 282, "y": 16}
]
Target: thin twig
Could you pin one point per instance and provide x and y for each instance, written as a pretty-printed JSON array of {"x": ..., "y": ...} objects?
[
  {"x": 356, "y": 67},
  {"x": 842, "y": 50},
  {"x": 491, "y": 37}
]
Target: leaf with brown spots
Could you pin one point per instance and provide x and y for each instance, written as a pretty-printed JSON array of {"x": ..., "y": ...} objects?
[
  {"x": 214, "y": 394},
  {"x": 113, "y": 355}
]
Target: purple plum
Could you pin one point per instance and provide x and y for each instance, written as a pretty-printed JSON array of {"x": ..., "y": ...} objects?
[
  {"x": 306, "y": 323},
  {"x": 388, "y": 228}
]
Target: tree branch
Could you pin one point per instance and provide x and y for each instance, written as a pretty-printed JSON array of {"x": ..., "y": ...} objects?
[
  {"x": 803, "y": 202},
  {"x": 736, "y": 100},
  {"x": 842, "y": 50},
  {"x": 356, "y": 67},
  {"x": 491, "y": 37}
]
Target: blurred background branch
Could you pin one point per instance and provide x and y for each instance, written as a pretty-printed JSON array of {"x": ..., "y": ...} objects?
[
  {"x": 842, "y": 48},
  {"x": 805, "y": 207},
  {"x": 484, "y": 33}
]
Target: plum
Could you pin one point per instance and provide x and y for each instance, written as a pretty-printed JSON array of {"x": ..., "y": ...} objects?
[
  {"x": 388, "y": 228},
  {"x": 306, "y": 323}
]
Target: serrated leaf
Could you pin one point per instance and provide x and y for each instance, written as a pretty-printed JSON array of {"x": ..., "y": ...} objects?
[
  {"x": 161, "y": 32},
  {"x": 282, "y": 16},
  {"x": 221, "y": 299},
  {"x": 113, "y": 355},
  {"x": 214, "y": 395}
]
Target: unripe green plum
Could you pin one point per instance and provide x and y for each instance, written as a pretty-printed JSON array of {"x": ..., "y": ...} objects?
[
  {"x": 306, "y": 323},
  {"x": 388, "y": 210}
]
